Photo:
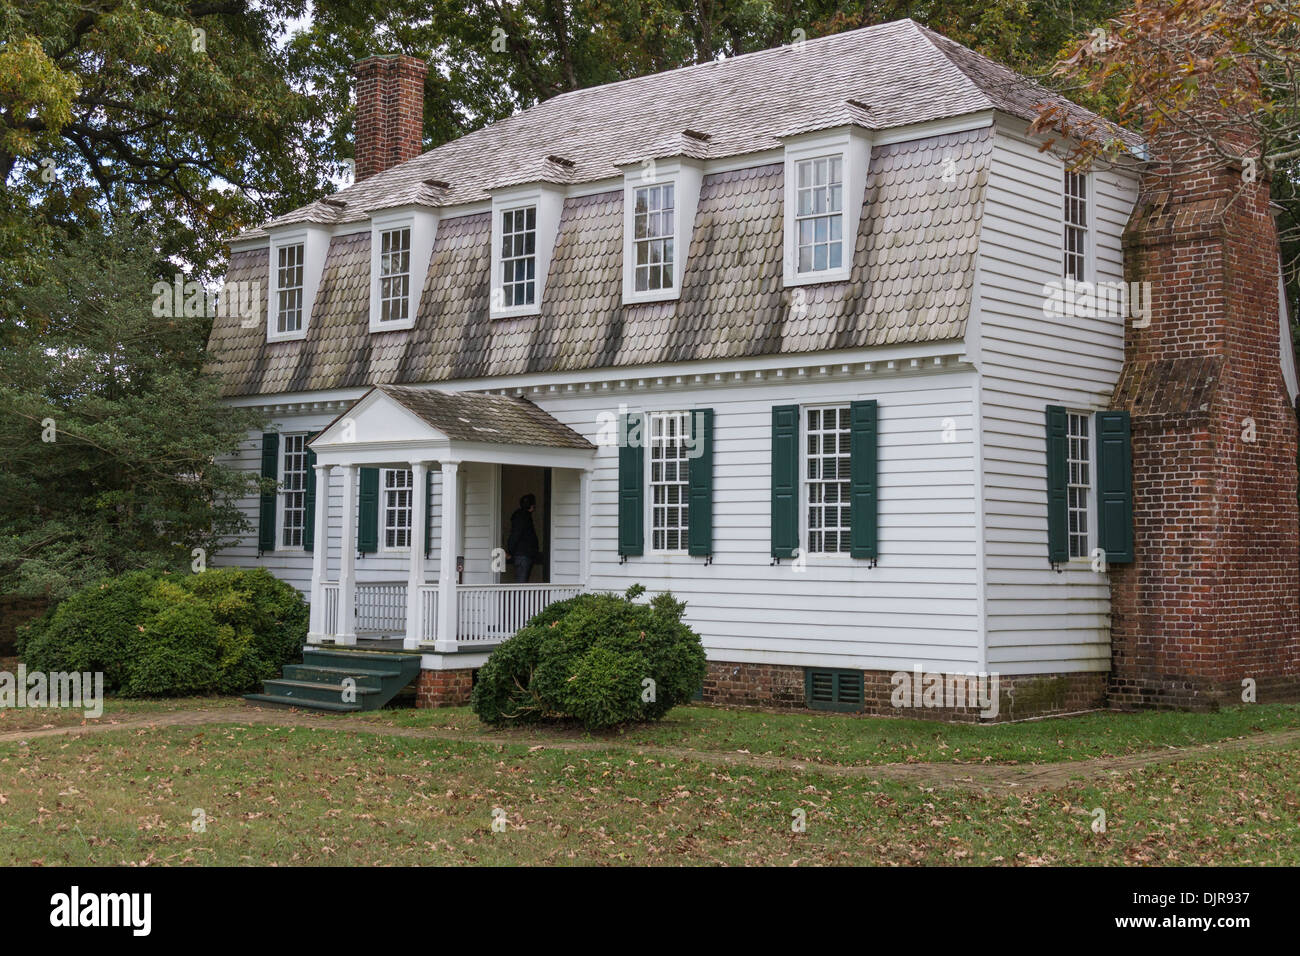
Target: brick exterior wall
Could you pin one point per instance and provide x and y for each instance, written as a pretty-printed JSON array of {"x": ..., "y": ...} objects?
[
  {"x": 781, "y": 687},
  {"x": 443, "y": 688},
  {"x": 390, "y": 112},
  {"x": 1213, "y": 595}
]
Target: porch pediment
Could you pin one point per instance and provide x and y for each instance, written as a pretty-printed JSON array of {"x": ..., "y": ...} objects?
[{"x": 401, "y": 423}]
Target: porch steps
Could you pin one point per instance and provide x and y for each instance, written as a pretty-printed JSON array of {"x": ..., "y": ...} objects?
[{"x": 318, "y": 682}]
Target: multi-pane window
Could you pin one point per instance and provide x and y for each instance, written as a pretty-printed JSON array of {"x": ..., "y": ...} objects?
[
  {"x": 519, "y": 256},
  {"x": 1079, "y": 485},
  {"x": 397, "y": 508},
  {"x": 293, "y": 489},
  {"x": 819, "y": 214},
  {"x": 288, "y": 284},
  {"x": 653, "y": 222},
  {"x": 669, "y": 480},
  {"x": 1076, "y": 225},
  {"x": 394, "y": 275},
  {"x": 827, "y": 433}
]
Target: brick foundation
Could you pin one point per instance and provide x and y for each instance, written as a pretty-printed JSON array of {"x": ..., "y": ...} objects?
[
  {"x": 443, "y": 688},
  {"x": 781, "y": 687}
]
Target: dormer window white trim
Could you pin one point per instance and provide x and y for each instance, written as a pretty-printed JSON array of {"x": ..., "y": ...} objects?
[
  {"x": 525, "y": 222},
  {"x": 297, "y": 259},
  {"x": 825, "y": 180},
  {"x": 660, "y": 199},
  {"x": 401, "y": 245}
]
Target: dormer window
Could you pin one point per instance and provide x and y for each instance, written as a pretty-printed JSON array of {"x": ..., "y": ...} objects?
[
  {"x": 525, "y": 223},
  {"x": 401, "y": 244},
  {"x": 297, "y": 259},
  {"x": 519, "y": 257},
  {"x": 820, "y": 214},
  {"x": 288, "y": 288},
  {"x": 394, "y": 275},
  {"x": 825, "y": 182},
  {"x": 654, "y": 226}
]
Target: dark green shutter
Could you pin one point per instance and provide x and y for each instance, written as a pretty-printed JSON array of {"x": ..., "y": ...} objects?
[
  {"x": 699, "y": 538},
  {"x": 266, "y": 510},
  {"x": 631, "y": 478},
  {"x": 1114, "y": 485},
  {"x": 309, "y": 503},
  {"x": 863, "y": 499},
  {"x": 1058, "y": 477},
  {"x": 368, "y": 512},
  {"x": 785, "y": 480},
  {"x": 428, "y": 512}
]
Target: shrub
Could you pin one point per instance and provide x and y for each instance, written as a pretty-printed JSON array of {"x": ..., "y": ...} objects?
[
  {"x": 589, "y": 658},
  {"x": 160, "y": 634}
]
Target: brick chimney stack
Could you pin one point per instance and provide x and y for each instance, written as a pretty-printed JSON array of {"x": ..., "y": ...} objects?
[
  {"x": 1213, "y": 595},
  {"x": 390, "y": 112}
]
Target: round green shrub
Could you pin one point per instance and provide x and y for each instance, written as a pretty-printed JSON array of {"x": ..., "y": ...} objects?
[
  {"x": 161, "y": 634},
  {"x": 600, "y": 659}
]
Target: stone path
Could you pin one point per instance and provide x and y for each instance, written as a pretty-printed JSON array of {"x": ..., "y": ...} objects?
[{"x": 971, "y": 776}]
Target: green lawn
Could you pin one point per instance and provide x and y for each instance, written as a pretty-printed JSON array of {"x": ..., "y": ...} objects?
[{"x": 324, "y": 795}]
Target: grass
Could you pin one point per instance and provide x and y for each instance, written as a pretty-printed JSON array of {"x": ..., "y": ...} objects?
[
  {"x": 842, "y": 739},
  {"x": 324, "y": 795},
  {"x": 116, "y": 709}
]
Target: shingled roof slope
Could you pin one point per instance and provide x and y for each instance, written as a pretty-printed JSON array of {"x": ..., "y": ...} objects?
[
  {"x": 912, "y": 280},
  {"x": 900, "y": 72},
  {"x": 470, "y": 416}
]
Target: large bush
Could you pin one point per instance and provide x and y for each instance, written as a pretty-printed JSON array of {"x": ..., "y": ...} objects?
[
  {"x": 600, "y": 659},
  {"x": 156, "y": 634}
]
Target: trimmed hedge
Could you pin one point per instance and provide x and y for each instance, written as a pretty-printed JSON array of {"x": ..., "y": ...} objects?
[
  {"x": 599, "y": 659},
  {"x": 155, "y": 634}
]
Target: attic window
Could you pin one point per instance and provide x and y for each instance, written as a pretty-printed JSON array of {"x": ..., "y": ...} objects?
[
  {"x": 825, "y": 185},
  {"x": 518, "y": 257},
  {"x": 820, "y": 214},
  {"x": 288, "y": 284},
  {"x": 660, "y": 200},
  {"x": 653, "y": 230},
  {"x": 394, "y": 275}
]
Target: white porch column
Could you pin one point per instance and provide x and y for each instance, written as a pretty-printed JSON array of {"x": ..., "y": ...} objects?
[
  {"x": 348, "y": 560},
  {"x": 584, "y": 527},
  {"x": 415, "y": 577},
  {"x": 449, "y": 502},
  {"x": 320, "y": 556}
]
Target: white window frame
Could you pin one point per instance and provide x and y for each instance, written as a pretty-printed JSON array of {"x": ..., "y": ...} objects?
[
  {"x": 684, "y": 417},
  {"x": 1089, "y": 232},
  {"x": 394, "y": 244},
  {"x": 384, "y": 526},
  {"x": 831, "y": 165},
  {"x": 315, "y": 243},
  {"x": 1090, "y": 495},
  {"x": 282, "y": 264},
  {"x": 685, "y": 176},
  {"x": 282, "y": 496},
  {"x": 423, "y": 226},
  {"x": 805, "y": 502},
  {"x": 512, "y": 287},
  {"x": 548, "y": 199},
  {"x": 852, "y": 146}
]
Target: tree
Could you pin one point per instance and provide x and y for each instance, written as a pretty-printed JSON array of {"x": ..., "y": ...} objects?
[{"x": 109, "y": 429}]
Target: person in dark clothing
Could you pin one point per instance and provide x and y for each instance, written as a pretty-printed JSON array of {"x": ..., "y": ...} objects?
[{"x": 522, "y": 544}]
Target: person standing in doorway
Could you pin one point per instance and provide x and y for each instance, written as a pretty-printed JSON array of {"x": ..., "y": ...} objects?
[{"x": 522, "y": 544}]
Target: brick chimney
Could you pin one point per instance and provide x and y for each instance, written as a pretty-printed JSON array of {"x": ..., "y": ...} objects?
[
  {"x": 390, "y": 112},
  {"x": 1213, "y": 595}
]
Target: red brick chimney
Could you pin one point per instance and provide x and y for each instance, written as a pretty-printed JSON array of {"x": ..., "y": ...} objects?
[
  {"x": 390, "y": 112},
  {"x": 1213, "y": 595}
]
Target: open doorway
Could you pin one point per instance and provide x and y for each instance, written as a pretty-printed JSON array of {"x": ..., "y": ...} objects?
[{"x": 517, "y": 481}]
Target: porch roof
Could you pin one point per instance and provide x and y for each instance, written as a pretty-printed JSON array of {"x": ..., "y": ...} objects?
[{"x": 447, "y": 426}]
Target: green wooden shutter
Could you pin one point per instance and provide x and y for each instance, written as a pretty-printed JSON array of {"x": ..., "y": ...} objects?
[
  {"x": 785, "y": 480},
  {"x": 864, "y": 502},
  {"x": 368, "y": 512},
  {"x": 309, "y": 504},
  {"x": 1114, "y": 457},
  {"x": 266, "y": 509},
  {"x": 631, "y": 479},
  {"x": 1058, "y": 477},
  {"x": 699, "y": 540},
  {"x": 428, "y": 512}
]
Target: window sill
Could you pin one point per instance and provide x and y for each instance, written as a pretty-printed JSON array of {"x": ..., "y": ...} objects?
[
  {"x": 518, "y": 312},
  {"x": 817, "y": 278},
  {"x": 286, "y": 336},
  {"x": 659, "y": 295},
  {"x": 402, "y": 326}
]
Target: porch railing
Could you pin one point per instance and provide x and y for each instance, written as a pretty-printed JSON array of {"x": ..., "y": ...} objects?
[
  {"x": 330, "y": 595},
  {"x": 494, "y": 612},
  {"x": 428, "y": 611},
  {"x": 381, "y": 607}
]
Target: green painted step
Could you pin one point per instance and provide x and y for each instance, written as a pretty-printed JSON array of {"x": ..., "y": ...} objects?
[{"x": 318, "y": 682}]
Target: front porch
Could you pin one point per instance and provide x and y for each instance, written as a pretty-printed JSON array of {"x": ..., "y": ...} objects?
[{"x": 451, "y": 600}]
